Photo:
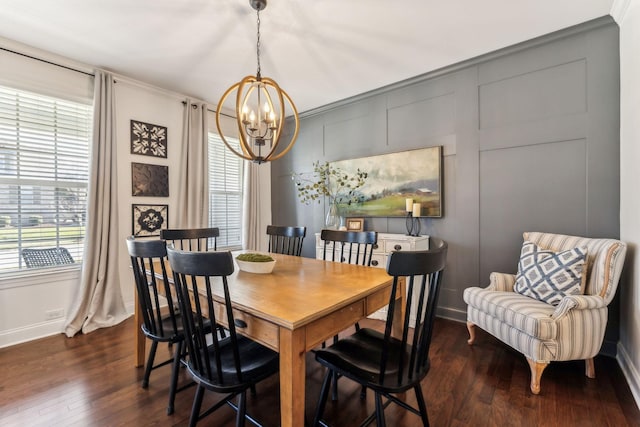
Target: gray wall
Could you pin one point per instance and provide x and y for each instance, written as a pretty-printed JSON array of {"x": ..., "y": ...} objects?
[{"x": 531, "y": 142}]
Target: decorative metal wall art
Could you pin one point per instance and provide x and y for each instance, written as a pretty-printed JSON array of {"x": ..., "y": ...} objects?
[
  {"x": 148, "y": 139},
  {"x": 149, "y": 180},
  {"x": 148, "y": 220}
]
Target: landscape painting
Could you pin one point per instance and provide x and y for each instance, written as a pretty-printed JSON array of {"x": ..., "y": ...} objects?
[{"x": 393, "y": 178}]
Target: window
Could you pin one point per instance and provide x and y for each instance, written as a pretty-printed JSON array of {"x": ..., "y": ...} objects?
[
  {"x": 225, "y": 191},
  {"x": 44, "y": 169}
]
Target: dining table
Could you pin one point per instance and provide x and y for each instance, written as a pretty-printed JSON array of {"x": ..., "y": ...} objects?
[{"x": 294, "y": 309}]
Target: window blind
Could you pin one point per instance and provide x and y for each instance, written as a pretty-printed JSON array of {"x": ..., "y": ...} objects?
[
  {"x": 225, "y": 191},
  {"x": 44, "y": 171}
]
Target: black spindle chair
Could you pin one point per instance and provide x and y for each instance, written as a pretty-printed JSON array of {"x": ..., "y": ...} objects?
[
  {"x": 229, "y": 365},
  {"x": 386, "y": 364},
  {"x": 352, "y": 247},
  {"x": 161, "y": 320},
  {"x": 286, "y": 240},
  {"x": 194, "y": 239}
]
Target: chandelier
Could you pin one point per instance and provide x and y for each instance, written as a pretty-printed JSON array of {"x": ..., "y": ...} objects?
[{"x": 259, "y": 111}]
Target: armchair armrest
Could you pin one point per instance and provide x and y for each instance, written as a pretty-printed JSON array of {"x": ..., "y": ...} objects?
[
  {"x": 502, "y": 282},
  {"x": 578, "y": 302}
]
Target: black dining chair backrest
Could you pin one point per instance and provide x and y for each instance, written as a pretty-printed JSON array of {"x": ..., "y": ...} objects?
[
  {"x": 352, "y": 247},
  {"x": 422, "y": 271},
  {"x": 389, "y": 364},
  {"x": 286, "y": 239},
  {"x": 192, "y": 239},
  {"x": 231, "y": 364}
]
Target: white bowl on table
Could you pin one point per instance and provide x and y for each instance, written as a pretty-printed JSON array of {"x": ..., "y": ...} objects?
[{"x": 256, "y": 267}]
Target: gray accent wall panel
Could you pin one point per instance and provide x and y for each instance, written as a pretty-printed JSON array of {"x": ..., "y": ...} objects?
[
  {"x": 434, "y": 117},
  {"x": 536, "y": 187},
  {"x": 531, "y": 143},
  {"x": 551, "y": 92}
]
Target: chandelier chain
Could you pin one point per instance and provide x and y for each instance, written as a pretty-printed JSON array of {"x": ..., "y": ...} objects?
[{"x": 258, "y": 44}]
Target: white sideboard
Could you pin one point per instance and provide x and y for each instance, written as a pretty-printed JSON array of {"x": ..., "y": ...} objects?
[{"x": 387, "y": 243}]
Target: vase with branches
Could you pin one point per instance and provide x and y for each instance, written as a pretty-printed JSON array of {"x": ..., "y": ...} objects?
[{"x": 326, "y": 180}]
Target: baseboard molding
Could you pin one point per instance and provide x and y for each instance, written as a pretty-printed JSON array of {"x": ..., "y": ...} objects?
[
  {"x": 32, "y": 332},
  {"x": 630, "y": 372},
  {"x": 41, "y": 330},
  {"x": 609, "y": 348},
  {"x": 452, "y": 314}
]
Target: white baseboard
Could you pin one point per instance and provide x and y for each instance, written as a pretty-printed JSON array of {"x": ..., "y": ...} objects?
[
  {"x": 40, "y": 330},
  {"x": 630, "y": 372},
  {"x": 31, "y": 332}
]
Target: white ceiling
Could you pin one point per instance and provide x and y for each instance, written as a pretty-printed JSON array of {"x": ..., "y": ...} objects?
[{"x": 318, "y": 51}]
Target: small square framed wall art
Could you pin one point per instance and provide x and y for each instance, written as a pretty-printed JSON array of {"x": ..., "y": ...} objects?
[{"x": 148, "y": 220}]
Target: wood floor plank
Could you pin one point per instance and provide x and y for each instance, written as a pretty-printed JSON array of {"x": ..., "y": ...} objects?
[{"x": 90, "y": 380}]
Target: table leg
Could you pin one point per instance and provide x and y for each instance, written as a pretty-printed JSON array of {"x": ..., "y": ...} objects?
[
  {"x": 292, "y": 377},
  {"x": 140, "y": 340},
  {"x": 400, "y": 307}
]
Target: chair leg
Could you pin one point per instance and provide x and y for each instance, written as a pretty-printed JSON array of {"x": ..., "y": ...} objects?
[
  {"x": 590, "y": 369},
  {"x": 334, "y": 391},
  {"x": 175, "y": 370},
  {"x": 472, "y": 333},
  {"x": 421, "y": 405},
  {"x": 242, "y": 409},
  {"x": 536, "y": 373},
  {"x": 149, "y": 367},
  {"x": 380, "y": 421},
  {"x": 197, "y": 403},
  {"x": 322, "y": 401}
]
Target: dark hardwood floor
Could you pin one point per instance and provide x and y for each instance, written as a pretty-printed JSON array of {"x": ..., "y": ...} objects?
[{"x": 90, "y": 381}]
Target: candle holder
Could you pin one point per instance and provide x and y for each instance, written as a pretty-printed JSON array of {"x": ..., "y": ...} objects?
[
  {"x": 415, "y": 226},
  {"x": 409, "y": 223}
]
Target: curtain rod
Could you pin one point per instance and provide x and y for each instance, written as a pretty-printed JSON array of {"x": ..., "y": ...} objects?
[
  {"x": 46, "y": 61},
  {"x": 208, "y": 109}
]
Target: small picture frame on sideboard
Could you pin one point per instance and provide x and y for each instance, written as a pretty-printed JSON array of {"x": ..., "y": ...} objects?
[{"x": 355, "y": 224}]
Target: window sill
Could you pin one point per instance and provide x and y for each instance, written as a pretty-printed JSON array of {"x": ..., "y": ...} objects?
[{"x": 39, "y": 276}]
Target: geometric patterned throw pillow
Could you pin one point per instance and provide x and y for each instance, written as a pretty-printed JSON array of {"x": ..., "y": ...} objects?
[{"x": 547, "y": 275}]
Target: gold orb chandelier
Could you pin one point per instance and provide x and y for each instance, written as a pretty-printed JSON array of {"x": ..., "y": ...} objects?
[{"x": 259, "y": 112}]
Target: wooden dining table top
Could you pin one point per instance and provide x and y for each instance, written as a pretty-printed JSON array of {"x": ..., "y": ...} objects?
[{"x": 299, "y": 290}]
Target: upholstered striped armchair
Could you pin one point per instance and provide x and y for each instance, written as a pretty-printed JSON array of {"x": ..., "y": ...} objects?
[{"x": 514, "y": 308}]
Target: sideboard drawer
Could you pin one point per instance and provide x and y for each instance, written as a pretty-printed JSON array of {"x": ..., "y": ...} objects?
[
  {"x": 397, "y": 245},
  {"x": 379, "y": 260}
]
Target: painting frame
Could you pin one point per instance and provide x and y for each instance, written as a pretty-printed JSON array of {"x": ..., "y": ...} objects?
[
  {"x": 355, "y": 224},
  {"x": 394, "y": 177},
  {"x": 148, "y": 139},
  {"x": 148, "y": 219}
]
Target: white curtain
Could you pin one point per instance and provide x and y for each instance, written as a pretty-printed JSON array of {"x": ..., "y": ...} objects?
[
  {"x": 193, "y": 195},
  {"x": 99, "y": 300},
  {"x": 256, "y": 205}
]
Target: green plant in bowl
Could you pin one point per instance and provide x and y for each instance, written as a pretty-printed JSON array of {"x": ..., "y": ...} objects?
[{"x": 253, "y": 257}]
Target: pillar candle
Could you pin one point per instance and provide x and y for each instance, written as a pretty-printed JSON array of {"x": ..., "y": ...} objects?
[
  {"x": 416, "y": 209},
  {"x": 409, "y": 203}
]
